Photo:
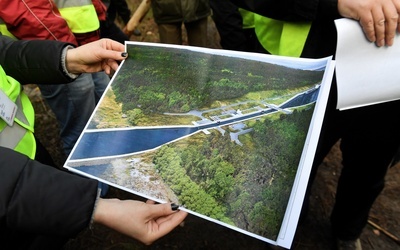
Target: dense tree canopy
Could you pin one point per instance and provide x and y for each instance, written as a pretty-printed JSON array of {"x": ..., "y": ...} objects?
[
  {"x": 158, "y": 79},
  {"x": 248, "y": 186}
]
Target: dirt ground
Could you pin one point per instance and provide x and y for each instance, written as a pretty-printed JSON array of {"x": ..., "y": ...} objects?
[{"x": 197, "y": 233}]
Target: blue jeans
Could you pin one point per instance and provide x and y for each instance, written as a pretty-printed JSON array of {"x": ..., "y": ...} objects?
[{"x": 74, "y": 103}]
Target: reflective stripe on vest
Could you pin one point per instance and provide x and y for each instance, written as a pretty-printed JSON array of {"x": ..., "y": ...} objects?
[
  {"x": 19, "y": 136},
  {"x": 281, "y": 38},
  {"x": 80, "y": 15},
  {"x": 4, "y": 30}
]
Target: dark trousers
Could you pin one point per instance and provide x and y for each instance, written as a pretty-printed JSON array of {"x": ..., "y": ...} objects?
[
  {"x": 22, "y": 241},
  {"x": 370, "y": 138},
  {"x": 171, "y": 33},
  {"x": 108, "y": 29}
]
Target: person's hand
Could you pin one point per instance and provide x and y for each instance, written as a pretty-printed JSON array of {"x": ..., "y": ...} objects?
[
  {"x": 145, "y": 222},
  {"x": 95, "y": 56},
  {"x": 378, "y": 18}
]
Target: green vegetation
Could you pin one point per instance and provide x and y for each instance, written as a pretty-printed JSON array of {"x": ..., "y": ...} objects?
[
  {"x": 157, "y": 80},
  {"x": 109, "y": 114},
  {"x": 245, "y": 186}
]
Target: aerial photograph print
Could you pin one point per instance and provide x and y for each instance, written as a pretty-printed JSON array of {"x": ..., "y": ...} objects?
[{"x": 224, "y": 134}]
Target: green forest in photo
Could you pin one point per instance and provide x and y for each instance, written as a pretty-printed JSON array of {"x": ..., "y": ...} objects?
[
  {"x": 247, "y": 185},
  {"x": 155, "y": 80}
]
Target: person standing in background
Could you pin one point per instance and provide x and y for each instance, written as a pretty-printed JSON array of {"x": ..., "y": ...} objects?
[
  {"x": 108, "y": 27},
  {"x": 72, "y": 21},
  {"x": 170, "y": 15},
  {"x": 369, "y": 136}
]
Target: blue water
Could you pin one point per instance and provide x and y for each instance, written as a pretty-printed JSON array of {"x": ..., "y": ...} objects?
[
  {"x": 119, "y": 142},
  {"x": 100, "y": 144}
]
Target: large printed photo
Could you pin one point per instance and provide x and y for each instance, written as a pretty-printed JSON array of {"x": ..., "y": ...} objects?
[{"x": 229, "y": 136}]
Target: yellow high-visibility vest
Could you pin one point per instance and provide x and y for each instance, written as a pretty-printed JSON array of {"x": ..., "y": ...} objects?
[
  {"x": 80, "y": 15},
  {"x": 19, "y": 136},
  {"x": 280, "y": 37},
  {"x": 4, "y": 30}
]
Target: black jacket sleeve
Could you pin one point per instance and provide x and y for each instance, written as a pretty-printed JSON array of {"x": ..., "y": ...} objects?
[
  {"x": 39, "y": 199},
  {"x": 33, "y": 61},
  {"x": 292, "y": 10}
]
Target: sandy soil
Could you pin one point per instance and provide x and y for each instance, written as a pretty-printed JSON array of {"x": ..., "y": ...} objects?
[{"x": 197, "y": 233}]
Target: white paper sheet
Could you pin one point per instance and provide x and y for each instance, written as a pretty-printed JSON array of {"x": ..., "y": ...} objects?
[{"x": 366, "y": 74}]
